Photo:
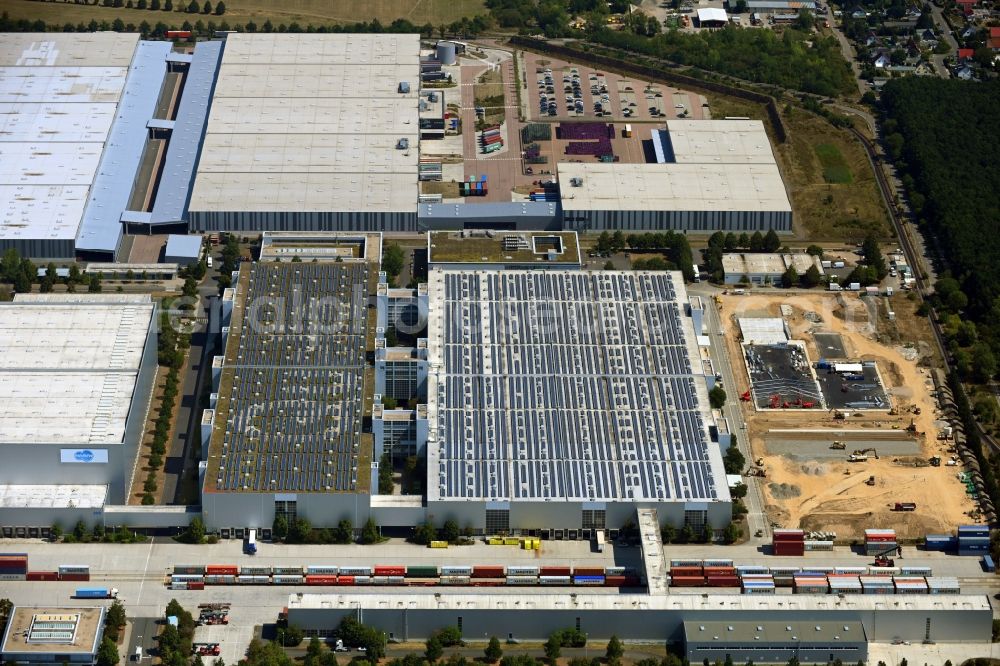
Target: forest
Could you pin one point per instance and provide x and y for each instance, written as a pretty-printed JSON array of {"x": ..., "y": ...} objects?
[{"x": 946, "y": 153}]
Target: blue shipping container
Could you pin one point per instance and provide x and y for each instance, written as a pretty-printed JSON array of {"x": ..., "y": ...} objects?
[
  {"x": 92, "y": 593},
  {"x": 988, "y": 564}
]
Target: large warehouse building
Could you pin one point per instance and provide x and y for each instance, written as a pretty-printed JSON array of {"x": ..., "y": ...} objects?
[
  {"x": 710, "y": 175},
  {"x": 311, "y": 132},
  {"x": 286, "y": 432},
  {"x": 73, "y": 114},
  {"x": 77, "y": 114},
  {"x": 563, "y": 400},
  {"x": 76, "y": 376}
]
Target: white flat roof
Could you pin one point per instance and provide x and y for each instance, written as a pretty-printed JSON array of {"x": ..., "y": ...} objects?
[
  {"x": 59, "y": 94},
  {"x": 62, "y": 497},
  {"x": 673, "y": 187},
  {"x": 712, "y": 14},
  {"x": 301, "y": 192},
  {"x": 47, "y": 121},
  {"x": 312, "y": 81},
  {"x": 774, "y": 263},
  {"x": 414, "y": 600},
  {"x": 326, "y": 49},
  {"x": 720, "y": 141},
  {"x": 68, "y": 371},
  {"x": 62, "y": 84},
  {"x": 48, "y": 49},
  {"x": 288, "y": 110},
  {"x": 763, "y": 330},
  {"x": 41, "y": 211}
]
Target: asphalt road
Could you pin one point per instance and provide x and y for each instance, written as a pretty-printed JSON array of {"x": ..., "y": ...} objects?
[
  {"x": 142, "y": 633},
  {"x": 756, "y": 517},
  {"x": 139, "y": 572}
]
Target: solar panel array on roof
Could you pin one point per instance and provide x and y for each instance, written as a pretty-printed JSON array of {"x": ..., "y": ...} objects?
[
  {"x": 294, "y": 376},
  {"x": 569, "y": 385}
]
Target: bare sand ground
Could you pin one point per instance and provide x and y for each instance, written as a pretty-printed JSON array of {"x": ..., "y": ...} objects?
[{"x": 832, "y": 495}]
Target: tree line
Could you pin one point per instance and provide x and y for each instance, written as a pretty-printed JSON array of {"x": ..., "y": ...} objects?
[
  {"x": 464, "y": 27},
  {"x": 156, "y": 5}
]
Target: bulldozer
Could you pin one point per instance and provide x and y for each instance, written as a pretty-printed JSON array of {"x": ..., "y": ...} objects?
[
  {"x": 870, "y": 481},
  {"x": 756, "y": 471},
  {"x": 934, "y": 461},
  {"x": 838, "y": 446},
  {"x": 838, "y": 415},
  {"x": 861, "y": 455}
]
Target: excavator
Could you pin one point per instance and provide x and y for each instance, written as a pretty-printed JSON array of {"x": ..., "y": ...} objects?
[
  {"x": 838, "y": 446},
  {"x": 745, "y": 397},
  {"x": 861, "y": 455}
]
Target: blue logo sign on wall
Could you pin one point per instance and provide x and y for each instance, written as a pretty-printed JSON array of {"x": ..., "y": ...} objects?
[{"x": 86, "y": 456}]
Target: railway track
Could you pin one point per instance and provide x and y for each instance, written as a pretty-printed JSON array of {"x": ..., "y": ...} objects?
[{"x": 906, "y": 244}]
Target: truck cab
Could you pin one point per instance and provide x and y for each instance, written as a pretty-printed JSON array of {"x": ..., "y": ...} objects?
[{"x": 250, "y": 545}]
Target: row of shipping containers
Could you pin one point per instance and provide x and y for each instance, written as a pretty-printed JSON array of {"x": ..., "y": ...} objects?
[
  {"x": 811, "y": 583},
  {"x": 970, "y": 540},
  {"x": 476, "y": 576},
  {"x": 14, "y": 567},
  {"x": 701, "y": 567},
  {"x": 474, "y": 187},
  {"x": 880, "y": 541}
]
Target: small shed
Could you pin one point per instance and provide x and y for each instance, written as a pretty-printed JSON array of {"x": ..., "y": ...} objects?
[{"x": 182, "y": 250}]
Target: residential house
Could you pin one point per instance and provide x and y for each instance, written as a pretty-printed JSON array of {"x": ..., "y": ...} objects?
[
  {"x": 859, "y": 13},
  {"x": 994, "y": 39},
  {"x": 882, "y": 61},
  {"x": 965, "y": 73},
  {"x": 966, "y": 54},
  {"x": 966, "y": 6},
  {"x": 968, "y": 31}
]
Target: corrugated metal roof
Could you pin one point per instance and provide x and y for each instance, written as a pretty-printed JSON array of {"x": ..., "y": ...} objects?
[
  {"x": 101, "y": 229},
  {"x": 177, "y": 176}
]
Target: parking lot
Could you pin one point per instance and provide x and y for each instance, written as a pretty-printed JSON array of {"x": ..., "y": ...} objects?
[
  {"x": 559, "y": 90},
  {"x": 782, "y": 377},
  {"x": 862, "y": 390}
]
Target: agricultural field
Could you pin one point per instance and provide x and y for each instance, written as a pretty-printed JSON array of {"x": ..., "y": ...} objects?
[{"x": 303, "y": 12}]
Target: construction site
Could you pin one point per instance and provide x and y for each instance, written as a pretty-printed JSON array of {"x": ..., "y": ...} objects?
[{"x": 878, "y": 454}]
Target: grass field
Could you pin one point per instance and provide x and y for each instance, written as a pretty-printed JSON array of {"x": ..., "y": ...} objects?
[
  {"x": 304, "y": 12},
  {"x": 835, "y": 169}
]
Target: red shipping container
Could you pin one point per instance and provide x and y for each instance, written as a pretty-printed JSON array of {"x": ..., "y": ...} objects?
[
  {"x": 614, "y": 581},
  {"x": 42, "y": 575},
  {"x": 77, "y": 577},
  {"x": 345, "y": 580},
  {"x": 720, "y": 571},
  {"x": 487, "y": 582},
  {"x": 723, "y": 581},
  {"x": 685, "y": 571},
  {"x": 554, "y": 571},
  {"x": 196, "y": 585},
  {"x": 632, "y": 581},
  {"x": 790, "y": 552},
  {"x": 393, "y": 570},
  {"x": 588, "y": 571},
  {"x": 487, "y": 572},
  {"x": 321, "y": 580},
  {"x": 688, "y": 581},
  {"x": 222, "y": 570}
]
